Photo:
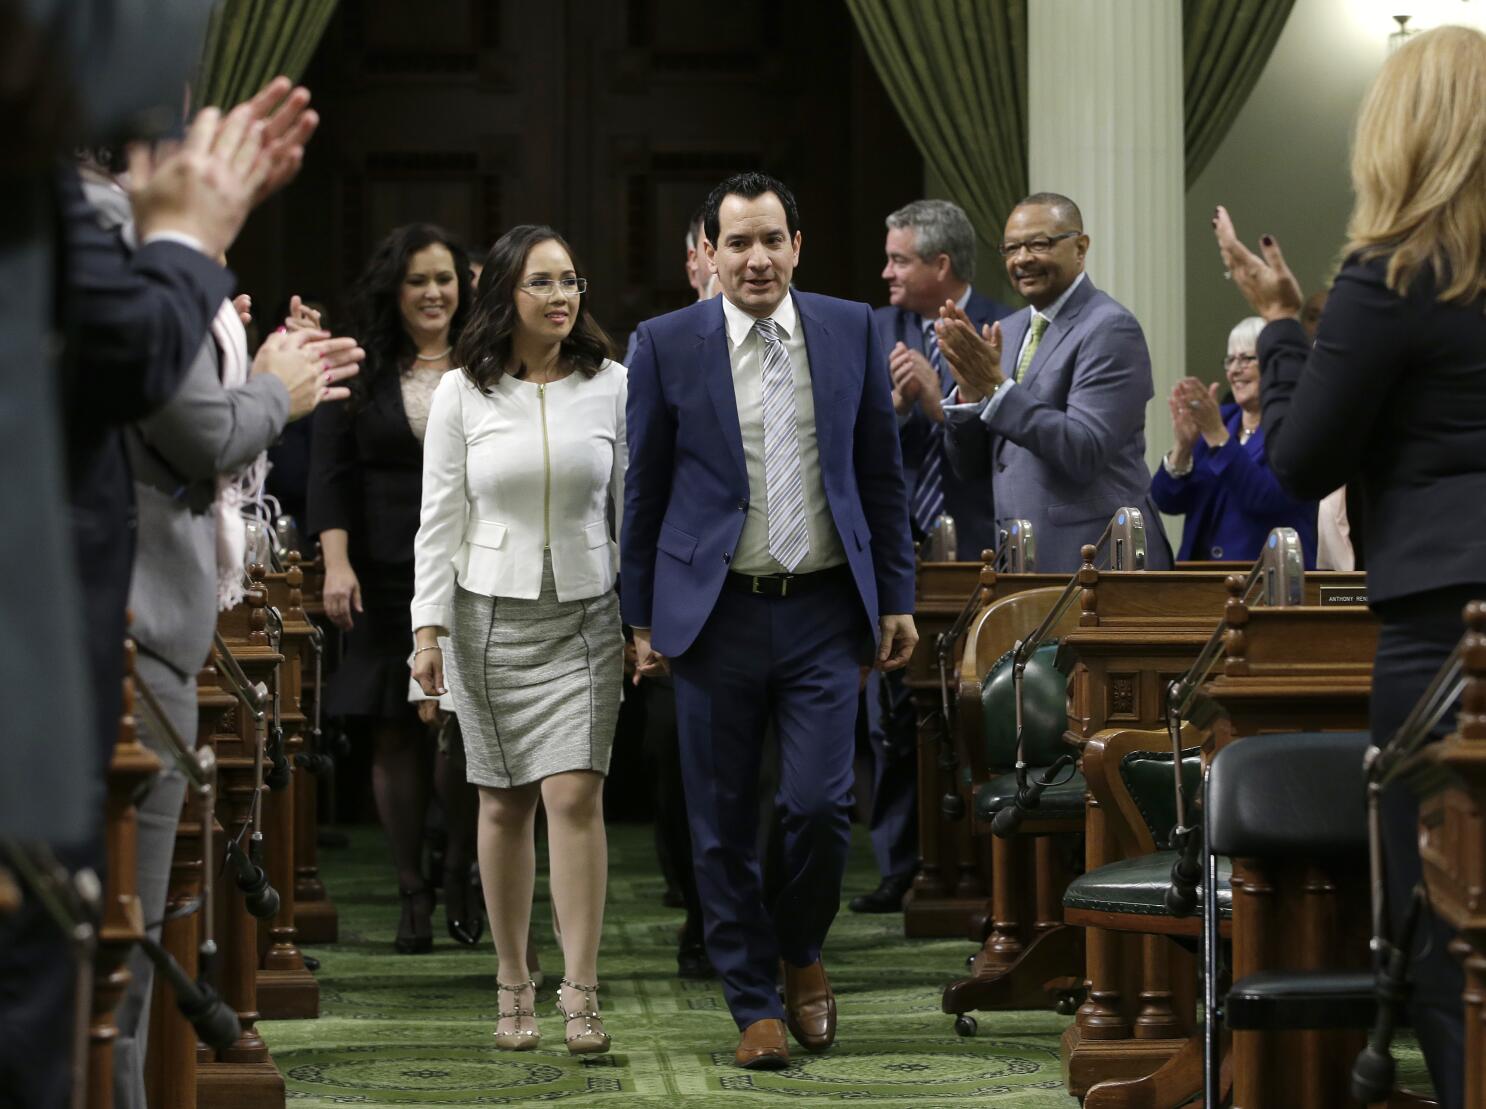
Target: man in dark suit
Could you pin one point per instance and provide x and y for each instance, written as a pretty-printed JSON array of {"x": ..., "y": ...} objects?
[
  {"x": 765, "y": 550},
  {"x": 930, "y": 259},
  {"x": 1057, "y": 421},
  {"x": 131, "y": 325}
]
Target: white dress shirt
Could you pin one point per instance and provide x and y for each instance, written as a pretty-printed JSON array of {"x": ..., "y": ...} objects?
[
  {"x": 989, "y": 405},
  {"x": 506, "y": 475},
  {"x": 752, "y": 555}
]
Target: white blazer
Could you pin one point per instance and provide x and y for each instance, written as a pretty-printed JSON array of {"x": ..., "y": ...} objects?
[{"x": 505, "y": 475}]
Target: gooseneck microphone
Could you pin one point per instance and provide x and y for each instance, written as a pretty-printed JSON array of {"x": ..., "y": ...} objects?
[
  {"x": 261, "y": 899},
  {"x": 1027, "y": 798},
  {"x": 202, "y": 1006},
  {"x": 1372, "y": 1073},
  {"x": 1186, "y": 872}
]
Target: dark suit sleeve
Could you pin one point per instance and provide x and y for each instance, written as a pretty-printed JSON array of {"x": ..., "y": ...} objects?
[
  {"x": 651, "y": 430},
  {"x": 334, "y": 492},
  {"x": 879, "y": 474},
  {"x": 1105, "y": 408},
  {"x": 1319, "y": 402},
  {"x": 133, "y": 323},
  {"x": 967, "y": 444}
]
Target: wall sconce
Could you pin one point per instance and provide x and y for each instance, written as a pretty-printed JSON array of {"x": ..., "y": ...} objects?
[{"x": 1403, "y": 34}]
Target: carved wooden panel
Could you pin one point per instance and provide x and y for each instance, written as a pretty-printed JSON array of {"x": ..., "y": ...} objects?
[{"x": 1122, "y": 697}]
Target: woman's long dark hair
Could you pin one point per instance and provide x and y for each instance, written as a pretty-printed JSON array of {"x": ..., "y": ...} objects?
[
  {"x": 374, "y": 300},
  {"x": 484, "y": 349}
]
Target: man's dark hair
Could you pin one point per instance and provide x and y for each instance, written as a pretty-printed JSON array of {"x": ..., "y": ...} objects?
[
  {"x": 694, "y": 228},
  {"x": 749, "y": 186},
  {"x": 1064, "y": 210}
]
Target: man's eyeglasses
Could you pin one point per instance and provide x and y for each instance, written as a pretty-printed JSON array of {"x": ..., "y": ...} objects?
[
  {"x": 544, "y": 286},
  {"x": 1043, "y": 244},
  {"x": 1240, "y": 360}
]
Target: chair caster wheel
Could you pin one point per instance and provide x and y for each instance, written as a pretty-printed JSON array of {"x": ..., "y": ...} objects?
[
  {"x": 1067, "y": 1004},
  {"x": 965, "y": 1025}
]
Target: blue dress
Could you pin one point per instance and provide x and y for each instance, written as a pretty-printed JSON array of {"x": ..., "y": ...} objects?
[{"x": 1232, "y": 500}]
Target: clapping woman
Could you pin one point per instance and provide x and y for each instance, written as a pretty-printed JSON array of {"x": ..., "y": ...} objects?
[
  {"x": 1216, "y": 473},
  {"x": 1394, "y": 393},
  {"x": 523, "y": 465}
]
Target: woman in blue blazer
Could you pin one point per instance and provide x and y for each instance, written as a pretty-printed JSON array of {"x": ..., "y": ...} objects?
[{"x": 1217, "y": 475}]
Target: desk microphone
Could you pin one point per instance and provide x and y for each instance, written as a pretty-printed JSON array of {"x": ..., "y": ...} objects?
[
  {"x": 1028, "y": 797},
  {"x": 202, "y": 1006}
]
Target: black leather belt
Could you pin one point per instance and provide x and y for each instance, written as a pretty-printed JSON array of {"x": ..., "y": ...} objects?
[{"x": 787, "y": 585}]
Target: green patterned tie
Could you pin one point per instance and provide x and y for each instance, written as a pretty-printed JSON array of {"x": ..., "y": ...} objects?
[{"x": 1039, "y": 325}]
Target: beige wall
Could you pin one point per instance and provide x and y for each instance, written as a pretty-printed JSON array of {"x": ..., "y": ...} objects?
[{"x": 1282, "y": 169}]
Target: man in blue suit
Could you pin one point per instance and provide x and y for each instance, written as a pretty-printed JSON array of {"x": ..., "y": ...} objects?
[
  {"x": 1053, "y": 399},
  {"x": 930, "y": 259},
  {"x": 765, "y": 554}
]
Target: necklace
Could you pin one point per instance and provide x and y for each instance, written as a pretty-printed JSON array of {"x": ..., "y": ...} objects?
[
  {"x": 1245, "y": 433},
  {"x": 434, "y": 357}
]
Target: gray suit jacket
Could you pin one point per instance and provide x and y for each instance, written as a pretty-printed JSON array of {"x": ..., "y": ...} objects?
[
  {"x": 1066, "y": 446},
  {"x": 176, "y": 455}
]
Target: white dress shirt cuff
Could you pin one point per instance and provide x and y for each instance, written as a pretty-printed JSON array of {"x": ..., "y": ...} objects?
[
  {"x": 993, "y": 402},
  {"x": 175, "y": 237}
]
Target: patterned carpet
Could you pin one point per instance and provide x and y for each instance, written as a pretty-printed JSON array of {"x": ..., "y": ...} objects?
[{"x": 399, "y": 1031}]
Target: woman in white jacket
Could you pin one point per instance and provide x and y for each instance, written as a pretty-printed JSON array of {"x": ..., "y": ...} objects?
[{"x": 515, "y": 565}]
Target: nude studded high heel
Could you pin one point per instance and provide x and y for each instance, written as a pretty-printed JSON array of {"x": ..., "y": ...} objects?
[
  {"x": 519, "y": 1039},
  {"x": 592, "y": 1040}
]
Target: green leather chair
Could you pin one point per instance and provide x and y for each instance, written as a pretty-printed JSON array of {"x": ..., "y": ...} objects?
[{"x": 1045, "y": 720}]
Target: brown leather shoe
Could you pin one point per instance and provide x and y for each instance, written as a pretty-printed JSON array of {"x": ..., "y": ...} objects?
[
  {"x": 809, "y": 1006},
  {"x": 762, "y": 1046}
]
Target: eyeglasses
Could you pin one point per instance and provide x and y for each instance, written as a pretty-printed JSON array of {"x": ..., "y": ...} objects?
[
  {"x": 1240, "y": 360},
  {"x": 544, "y": 286},
  {"x": 1040, "y": 245}
]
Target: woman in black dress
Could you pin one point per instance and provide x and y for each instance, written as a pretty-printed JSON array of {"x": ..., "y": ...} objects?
[
  {"x": 1393, "y": 397},
  {"x": 366, "y": 473}
]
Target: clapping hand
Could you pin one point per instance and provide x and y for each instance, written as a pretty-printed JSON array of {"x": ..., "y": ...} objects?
[
  {"x": 1200, "y": 402},
  {"x": 311, "y": 365},
  {"x": 1266, "y": 283},
  {"x": 287, "y": 126},
  {"x": 301, "y": 317},
  {"x": 1183, "y": 426},
  {"x": 914, "y": 380},
  {"x": 974, "y": 359}
]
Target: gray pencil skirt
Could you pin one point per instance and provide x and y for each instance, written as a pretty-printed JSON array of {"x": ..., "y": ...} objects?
[{"x": 535, "y": 683}]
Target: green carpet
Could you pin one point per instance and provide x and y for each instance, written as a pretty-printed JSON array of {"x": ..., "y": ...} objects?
[{"x": 400, "y": 1031}]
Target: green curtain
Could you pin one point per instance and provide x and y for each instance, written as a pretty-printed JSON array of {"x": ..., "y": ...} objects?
[
  {"x": 248, "y": 42},
  {"x": 1225, "y": 45},
  {"x": 957, "y": 73},
  {"x": 956, "y": 70}
]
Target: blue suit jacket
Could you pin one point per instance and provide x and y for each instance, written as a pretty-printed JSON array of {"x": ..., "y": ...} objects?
[
  {"x": 1065, "y": 448},
  {"x": 1232, "y": 500},
  {"x": 968, "y": 502},
  {"x": 686, "y": 490}
]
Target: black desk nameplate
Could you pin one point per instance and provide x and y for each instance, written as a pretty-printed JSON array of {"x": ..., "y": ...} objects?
[{"x": 1333, "y": 595}]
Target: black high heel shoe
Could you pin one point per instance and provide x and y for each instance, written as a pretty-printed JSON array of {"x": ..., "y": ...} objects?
[
  {"x": 414, "y": 930},
  {"x": 466, "y": 924}
]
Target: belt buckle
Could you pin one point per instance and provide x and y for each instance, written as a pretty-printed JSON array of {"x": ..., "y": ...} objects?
[{"x": 756, "y": 579}]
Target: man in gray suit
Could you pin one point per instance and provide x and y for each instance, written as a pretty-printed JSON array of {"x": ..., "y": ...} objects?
[
  {"x": 1051, "y": 401},
  {"x": 176, "y": 456}
]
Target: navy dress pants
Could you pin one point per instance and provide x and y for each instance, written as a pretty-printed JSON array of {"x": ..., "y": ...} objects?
[
  {"x": 795, "y": 662},
  {"x": 892, "y": 733}
]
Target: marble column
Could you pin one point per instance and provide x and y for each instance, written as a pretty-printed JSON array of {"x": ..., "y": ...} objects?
[{"x": 1105, "y": 125}]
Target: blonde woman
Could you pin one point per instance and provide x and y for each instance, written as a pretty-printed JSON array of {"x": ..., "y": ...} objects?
[
  {"x": 1394, "y": 392},
  {"x": 523, "y": 464}
]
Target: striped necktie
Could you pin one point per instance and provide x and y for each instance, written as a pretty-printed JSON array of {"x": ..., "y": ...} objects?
[
  {"x": 784, "y": 487},
  {"x": 928, "y": 489}
]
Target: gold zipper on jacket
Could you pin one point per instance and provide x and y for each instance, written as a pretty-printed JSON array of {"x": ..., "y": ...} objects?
[{"x": 546, "y": 474}]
